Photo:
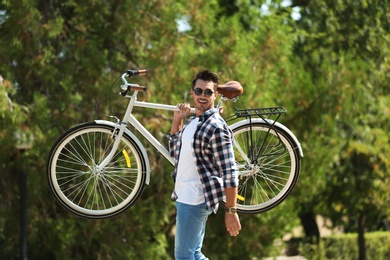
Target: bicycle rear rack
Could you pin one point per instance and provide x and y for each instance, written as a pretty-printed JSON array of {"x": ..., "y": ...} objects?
[
  {"x": 270, "y": 116},
  {"x": 265, "y": 112}
]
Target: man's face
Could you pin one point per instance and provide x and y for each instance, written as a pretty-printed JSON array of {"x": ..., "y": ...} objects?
[{"x": 203, "y": 102}]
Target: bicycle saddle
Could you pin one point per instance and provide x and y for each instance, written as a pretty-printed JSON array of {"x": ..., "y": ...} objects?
[{"x": 230, "y": 89}]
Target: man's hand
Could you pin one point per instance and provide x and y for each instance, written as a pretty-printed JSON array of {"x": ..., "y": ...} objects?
[
  {"x": 232, "y": 223},
  {"x": 178, "y": 115},
  {"x": 184, "y": 111}
]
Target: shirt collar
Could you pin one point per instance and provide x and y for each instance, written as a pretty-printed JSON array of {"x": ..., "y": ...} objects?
[{"x": 207, "y": 114}]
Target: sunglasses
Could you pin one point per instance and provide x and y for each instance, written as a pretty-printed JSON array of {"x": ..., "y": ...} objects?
[{"x": 207, "y": 92}]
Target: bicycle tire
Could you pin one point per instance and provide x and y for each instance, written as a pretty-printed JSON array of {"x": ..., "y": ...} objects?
[
  {"x": 77, "y": 184},
  {"x": 268, "y": 159}
]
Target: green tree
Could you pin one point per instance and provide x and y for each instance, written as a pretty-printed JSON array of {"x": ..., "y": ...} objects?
[
  {"x": 60, "y": 58},
  {"x": 346, "y": 53}
]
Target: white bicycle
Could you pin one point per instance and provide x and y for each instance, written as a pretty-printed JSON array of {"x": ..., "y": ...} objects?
[{"x": 99, "y": 169}]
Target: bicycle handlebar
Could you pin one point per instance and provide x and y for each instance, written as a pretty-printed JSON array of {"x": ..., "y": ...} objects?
[
  {"x": 126, "y": 87},
  {"x": 132, "y": 73}
]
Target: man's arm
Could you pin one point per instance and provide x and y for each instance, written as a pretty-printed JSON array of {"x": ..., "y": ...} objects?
[{"x": 225, "y": 162}]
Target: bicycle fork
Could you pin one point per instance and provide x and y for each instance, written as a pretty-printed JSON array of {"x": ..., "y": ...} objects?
[{"x": 118, "y": 133}]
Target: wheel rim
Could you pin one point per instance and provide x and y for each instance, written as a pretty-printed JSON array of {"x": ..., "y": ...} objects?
[
  {"x": 267, "y": 169},
  {"x": 82, "y": 186}
]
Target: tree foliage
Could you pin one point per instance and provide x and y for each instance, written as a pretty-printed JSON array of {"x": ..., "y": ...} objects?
[
  {"x": 330, "y": 69},
  {"x": 339, "y": 50}
]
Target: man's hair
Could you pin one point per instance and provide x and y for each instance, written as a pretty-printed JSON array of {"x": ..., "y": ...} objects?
[{"x": 206, "y": 75}]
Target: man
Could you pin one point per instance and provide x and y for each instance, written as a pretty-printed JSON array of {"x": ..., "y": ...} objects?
[{"x": 205, "y": 170}]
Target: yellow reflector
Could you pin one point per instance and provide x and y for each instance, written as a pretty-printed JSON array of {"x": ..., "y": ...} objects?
[
  {"x": 127, "y": 158},
  {"x": 240, "y": 197}
]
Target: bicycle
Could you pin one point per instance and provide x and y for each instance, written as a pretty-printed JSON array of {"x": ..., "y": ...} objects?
[{"x": 100, "y": 168}]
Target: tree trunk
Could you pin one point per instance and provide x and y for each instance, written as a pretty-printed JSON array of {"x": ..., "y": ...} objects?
[
  {"x": 361, "y": 241},
  {"x": 308, "y": 221}
]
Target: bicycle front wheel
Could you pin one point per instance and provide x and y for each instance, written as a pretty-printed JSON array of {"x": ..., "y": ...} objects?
[
  {"x": 269, "y": 162},
  {"x": 81, "y": 186}
]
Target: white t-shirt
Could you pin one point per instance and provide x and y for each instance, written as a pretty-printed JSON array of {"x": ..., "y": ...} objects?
[{"x": 188, "y": 186}]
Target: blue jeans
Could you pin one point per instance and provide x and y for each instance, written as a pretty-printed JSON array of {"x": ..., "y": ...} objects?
[{"x": 190, "y": 230}]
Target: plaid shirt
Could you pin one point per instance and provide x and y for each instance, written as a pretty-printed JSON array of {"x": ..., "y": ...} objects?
[{"x": 212, "y": 148}]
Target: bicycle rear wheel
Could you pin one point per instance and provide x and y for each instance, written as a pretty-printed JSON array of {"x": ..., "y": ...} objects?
[
  {"x": 84, "y": 189},
  {"x": 269, "y": 163}
]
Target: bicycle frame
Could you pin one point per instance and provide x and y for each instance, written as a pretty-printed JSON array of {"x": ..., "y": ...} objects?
[
  {"x": 140, "y": 128},
  {"x": 129, "y": 118}
]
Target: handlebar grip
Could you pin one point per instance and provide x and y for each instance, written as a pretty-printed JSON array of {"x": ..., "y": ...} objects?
[
  {"x": 138, "y": 88},
  {"x": 132, "y": 73},
  {"x": 142, "y": 72}
]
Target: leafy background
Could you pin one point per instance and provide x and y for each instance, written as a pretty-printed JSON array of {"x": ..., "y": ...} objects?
[{"x": 329, "y": 66}]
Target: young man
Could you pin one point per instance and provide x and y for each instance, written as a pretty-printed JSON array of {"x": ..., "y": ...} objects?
[{"x": 205, "y": 170}]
